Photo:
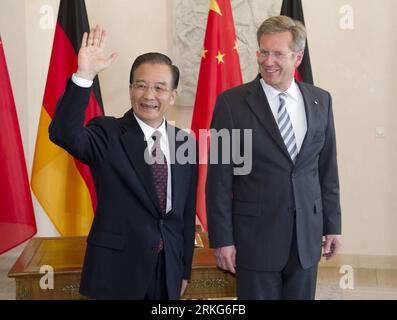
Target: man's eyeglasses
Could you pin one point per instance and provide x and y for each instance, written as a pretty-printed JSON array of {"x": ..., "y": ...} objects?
[
  {"x": 157, "y": 89},
  {"x": 276, "y": 54}
]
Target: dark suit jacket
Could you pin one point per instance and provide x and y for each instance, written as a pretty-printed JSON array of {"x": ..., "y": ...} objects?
[
  {"x": 255, "y": 212},
  {"x": 121, "y": 254}
]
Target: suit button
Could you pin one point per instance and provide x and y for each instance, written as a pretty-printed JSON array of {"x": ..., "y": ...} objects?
[
  {"x": 293, "y": 176},
  {"x": 292, "y": 210},
  {"x": 161, "y": 222}
]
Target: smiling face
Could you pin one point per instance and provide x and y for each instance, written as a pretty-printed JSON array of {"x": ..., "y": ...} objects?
[
  {"x": 147, "y": 103},
  {"x": 278, "y": 68}
]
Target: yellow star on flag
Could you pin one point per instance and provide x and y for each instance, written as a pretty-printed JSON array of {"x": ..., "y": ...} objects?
[
  {"x": 220, "y": 57},
  {"x": 203, "y": 53},
  {"x": 235, "y": 46}
]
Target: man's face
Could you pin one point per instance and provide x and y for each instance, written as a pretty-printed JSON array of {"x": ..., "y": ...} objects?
[
  {"x": 151, "y": 92},
  {"x": 277, "y": 63}
]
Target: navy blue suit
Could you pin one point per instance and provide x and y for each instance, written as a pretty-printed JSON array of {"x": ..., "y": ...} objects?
[
  {"x": 260, "y": 212},
  {"x": 122, "y": 244}
]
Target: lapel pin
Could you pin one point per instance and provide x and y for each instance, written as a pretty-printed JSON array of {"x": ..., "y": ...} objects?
[{"x": 315, "y": 102}]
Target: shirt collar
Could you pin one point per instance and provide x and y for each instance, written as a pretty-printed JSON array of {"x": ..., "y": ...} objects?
[
  {"x": 271, "y": 93},
  {"x": 148, "y": 130}
]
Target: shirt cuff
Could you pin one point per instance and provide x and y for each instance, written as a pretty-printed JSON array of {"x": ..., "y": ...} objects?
[{"x": 81, "y": 82}]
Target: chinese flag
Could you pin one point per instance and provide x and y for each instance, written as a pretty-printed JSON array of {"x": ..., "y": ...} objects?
[
  {"x": 17, "y": 223},
  {"x": 293, "y": 9},
  {"x": 219, "y": 70},
  {"x": 63, "y": 185}
]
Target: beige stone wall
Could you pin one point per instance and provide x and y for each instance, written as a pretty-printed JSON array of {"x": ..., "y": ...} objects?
[{"x": 357, "y": 66}]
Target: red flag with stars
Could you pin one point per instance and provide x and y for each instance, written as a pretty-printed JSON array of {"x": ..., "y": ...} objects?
[
  {"x": 219, "y": 70},
  {"x": 17, "y": 222}
]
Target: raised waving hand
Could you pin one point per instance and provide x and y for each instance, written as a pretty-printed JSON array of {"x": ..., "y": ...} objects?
[{"x": 92, "y": 58}]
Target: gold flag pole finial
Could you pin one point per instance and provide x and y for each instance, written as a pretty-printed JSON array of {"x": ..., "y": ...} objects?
[{"x": 215, "y": 7}]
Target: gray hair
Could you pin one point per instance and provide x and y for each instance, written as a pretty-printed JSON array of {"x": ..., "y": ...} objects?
[{"x": 279, "y": 24}]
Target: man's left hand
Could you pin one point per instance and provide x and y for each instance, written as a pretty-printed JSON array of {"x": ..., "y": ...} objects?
[{"x": 332, "y": 244}]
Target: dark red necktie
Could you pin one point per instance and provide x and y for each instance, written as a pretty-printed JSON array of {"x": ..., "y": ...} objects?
[{"x": 160, "y": 171}]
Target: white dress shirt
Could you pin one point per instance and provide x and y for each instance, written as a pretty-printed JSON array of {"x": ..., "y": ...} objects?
[
  {"x": 148, "y": 132},
  {"x": 295, "y": 107},
  {"x": 81, "y": 82}
]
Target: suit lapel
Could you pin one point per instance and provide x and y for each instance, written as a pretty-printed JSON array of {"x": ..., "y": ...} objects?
[
  {"x": 311, "y": 105},
  {"x": 176, "y": 168},
  {"x": 135, "y": 145},
  {"x": 259, "y": 105}
]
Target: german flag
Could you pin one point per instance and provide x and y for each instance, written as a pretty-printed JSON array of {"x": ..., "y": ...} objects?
[
  {"x": 64, "y": 186},
  {"x": 294, "y": 10}
]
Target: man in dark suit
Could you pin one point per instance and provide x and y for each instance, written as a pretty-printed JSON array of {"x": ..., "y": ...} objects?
[
  {"x": 269, "y": 224},
  {"x": 140, "y": 245}
]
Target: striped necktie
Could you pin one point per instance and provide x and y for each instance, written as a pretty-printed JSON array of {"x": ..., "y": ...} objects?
[{"x": 285, "y": 126}]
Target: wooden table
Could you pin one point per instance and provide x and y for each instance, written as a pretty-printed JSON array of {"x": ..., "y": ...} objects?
[{"x": 65, "y": 255}]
